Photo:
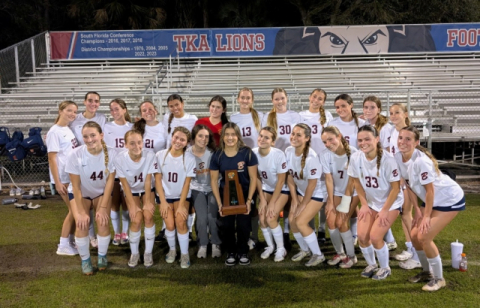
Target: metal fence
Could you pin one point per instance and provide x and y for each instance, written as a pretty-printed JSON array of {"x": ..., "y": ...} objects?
[{"x": 17, "y": 60}]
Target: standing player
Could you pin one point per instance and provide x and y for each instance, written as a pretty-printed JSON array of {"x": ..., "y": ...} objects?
[
  {"x": 307, "y": 198},
  {"x": 92, "y": 103},
  {"x": 206, "y": 206},
  {"x": 273, "y": 193},
  {"x": 60, "y": 143},
  {"x": 335, "y": 160},
  {"x": 92, "y": 175},
  {"x": 172, "y": 183},
  {"x": 114, "y": 134},
  {"x": 377, "y": 181},
  {"x": 217, "y": 118},
  {"x": 442, "y": 199},
  {"x": 134, "y": 169},
  {"x": 154, "y": 135}
]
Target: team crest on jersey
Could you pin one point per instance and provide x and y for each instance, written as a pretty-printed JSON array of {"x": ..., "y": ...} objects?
[
  {"x": 201, "y": 165},
  {"x": 395, "y": 172},
  {"x": 313, "y": 171},
  {"x": 424, "y": 175},
  {"x": 284, "y": 166},
  {"x": 241, "y": 165}
]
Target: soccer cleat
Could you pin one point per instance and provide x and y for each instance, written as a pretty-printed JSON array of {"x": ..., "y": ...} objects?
[
  {"x": 302, "y": 254},
  {"x": 102, "y": 263},
  {"x": 280, "y": 254},
  {"x": 67, "y": 251},
  {"x": 392, "y": 246},
  {"x": 421, "y": 277},
  {"x": 124, "y": 238},
  {"x": 410, "y": 264},
  {"x": 133, "y": 260},
  {"x": 337, "y": 259},
  {"x": 267, "y": 253},
  {"x": 369, "y": 271},
  {"x": 147, "y": 260},
  {"x": 251, "y": 244},
  {"x": 161, "y": 236},
  {"x": 87, "y": 268},
  {"x": 184, "y": 261},
  {"x": 382, "y": 273},
  {"x": 171, "y": 255},
  {"x": 404, "y": 256},
  {"x": 116, "y": 239},
  {"x": 202, "y": 252},
  {"x": 231, "y": 260},
  {"x": 216, "y": 251},
  {"x": 94, "y": 242},
  {"x": 244, "y": 260},
  {"x": 348, "y": 262},
  {"x": 315, "y": 260},
  {"x": 434, "y": 285}
]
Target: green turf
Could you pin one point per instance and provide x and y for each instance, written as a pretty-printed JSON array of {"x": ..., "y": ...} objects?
[{"x": 32, "y": 275}]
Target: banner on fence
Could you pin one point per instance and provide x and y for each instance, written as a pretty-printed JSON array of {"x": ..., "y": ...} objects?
[{"x": 254, "y": 42}]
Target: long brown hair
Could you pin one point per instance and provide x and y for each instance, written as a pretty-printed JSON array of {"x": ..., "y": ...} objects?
[
  {"x": 381, "y": 119},
  {"x": 334, "y": 131},
  {"x": 349, "y": 101},
  {"x": 373, "y": 130},
  {"x": 255, "y": 117},
  {"x": 308, "y": 133},
  {"x": 170, "y": 117},
  {"x": 62, "y": 107},
  {"x": 93, "y": 124},
  {"x": 240, "y": 143},
  {"x": 211, "y": 142},
  {"x": 189, "y": 138},
  {"x": 122, "y": 105},
  {"x": 416, "y": 135}
]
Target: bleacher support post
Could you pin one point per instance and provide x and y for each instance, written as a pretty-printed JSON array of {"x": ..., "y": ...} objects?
[
  {"x": 33, "y": 57},
  {"x": 17, "y": 67}
]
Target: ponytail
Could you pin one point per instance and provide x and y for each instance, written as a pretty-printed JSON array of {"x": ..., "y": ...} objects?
[
  {"x": 170, "y": 119},
  {"x": 255, "y": 118},
  {"x": 105, "y": 155},
  {"x": 416, "y": 135},
  {"x": 139, "y": 126},
  {"x": 379, "y": 157},
  {"x": 272, "y": 119},
  {"x": 304, "y": 157},
  {"x": 323, "y": 117}
]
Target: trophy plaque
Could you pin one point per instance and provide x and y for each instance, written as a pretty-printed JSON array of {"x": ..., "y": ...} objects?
[{"x": 233, "y": 199}]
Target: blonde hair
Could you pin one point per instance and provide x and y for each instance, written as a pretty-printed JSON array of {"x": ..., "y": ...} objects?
[
  {"x": 272, "y": 116},
  {"x": 334, "y": 131},
  {"x": 381, "y": 119},
  {"x": 416, "y": 135},
  {"x": 122, "y": 105},
  {"x": 62, "y": 107},
  {"x": 92, "y": 124},
  {"x": 308, "y": 133},
  {"x": 271, "y": 130},
  {"x": 323, "y": 117},
  {"x": 255, "y": 117},
  {"x": 405, "y": 110}
]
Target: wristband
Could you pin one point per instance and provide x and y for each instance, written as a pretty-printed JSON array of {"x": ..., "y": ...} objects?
[{"x": 344, "y": 206}]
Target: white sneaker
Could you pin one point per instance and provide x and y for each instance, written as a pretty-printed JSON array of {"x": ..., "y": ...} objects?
[
  {"x": 251, "y": 244},
  {"x": 410, "y": 264},
  {"x": 133, "y": 260},
  {"x": 184, "y": 261},
  {"x": 392, "y": 245},
  {"x": 12, "y": 192},
  {"x": 148, "y": 260},
  {"x": 315, "y": 260},
  {"x": 202, "y": 252},
  {"x": 336, "y": 259},
  {"x": 94, "y": 242},
  {"x": 216, "y": 251},
  {"x": 404, "y": 256},
  {"x": 302, "y": 254},
  {"x": 67, "y": 251},
  {"x": 268, "y": 251},
  {"x": 348, "y": 262},
  {"x": 171, "y": 255},
  {"x": 434, "y": 285},
  {"x": 382, "y": 273},
  {"x": 280, "y": 255},
  {"x": 19, "y": 191}
]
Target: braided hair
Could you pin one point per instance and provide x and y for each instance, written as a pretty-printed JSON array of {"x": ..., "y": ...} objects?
[
  {"x": 334, "y": 131},
  {"x": 323, "y": 117},
  {"x": 308, "y": 134},
  {"x": 374, "y": 132},
  {"x": 170, "y": 117},
  {"x": 95, "y": 125}
]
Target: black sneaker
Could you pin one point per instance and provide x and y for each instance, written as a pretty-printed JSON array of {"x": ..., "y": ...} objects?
[
  {"x": 286, "y": 241},
  {"x": 231, "y": 260},
  {"x": 160, "y": 237},
  {"x": 321, "y": 238},
  {"x": 244, "y": 260}
]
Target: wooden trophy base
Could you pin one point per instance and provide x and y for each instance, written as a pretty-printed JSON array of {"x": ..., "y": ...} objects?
[{"x": 234, "y": 210}]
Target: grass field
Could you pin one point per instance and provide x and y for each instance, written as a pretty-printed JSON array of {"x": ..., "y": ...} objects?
[{"x": 32, "y": 275}]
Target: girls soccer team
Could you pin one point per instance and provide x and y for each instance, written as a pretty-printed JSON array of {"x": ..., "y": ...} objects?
[{"x": 296, "y": 163}]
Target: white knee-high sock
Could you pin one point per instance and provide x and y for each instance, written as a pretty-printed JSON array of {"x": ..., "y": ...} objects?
[
  {"x": 312, "y": 243},
  {"x": 83, "y": 246},
  {"x": 348, "y": 241},
  {"x": 125, "y": 221},
  {"x": 149, "y": 238},
  {"x": 389, "y": 236},
  {"x": 103, "y": 243},
  {"x": 134, "y": 238},
  {"x": 91, "y": 228},
  {"x": 190, "y": 220},
  {"x": 336, "y": 241},
  {"x": 183, "y": 243},
  {"x": 422, "y": 257},
  {"x": 286, "y": 225},
  {"x": 369, "y": 255},
  {"x": 415, "y": 255},
  {"x": 170, "y": 235},
  {"x": 278, "y": 236},
  {"x": 437, "y": 269},
  {"x": 268, "y": 236},
  {"x": 409, "y": 246},
  {"x": 353, "y": 226},
  {"x": 301, "y": 241},
  {"x": 115, "y": 221},
  {"x": 382, "y": 256}
]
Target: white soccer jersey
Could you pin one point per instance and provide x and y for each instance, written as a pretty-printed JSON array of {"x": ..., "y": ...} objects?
[
  {"x": 349, "y": 130},
  {"x": 114, "y": 134},
  {"x": 77, "y": 124},
  {"x": 377, "y": 187},
  {"x": 312, "y": 170},
  {"x": 187, "y": 121},
  {"x": 91, "y": 169},
  {"x": 385, "y": 134},
  {"x": 270, "y": 166},
  {"x": 61, "y": 140},
  {"x": 135, "y": 172},
  {"x": 285, "y": 123},
  {"x": 419, "y": 171},
  {"x": 336, "y": 165},
  {"x": 201, "y": 181},
  {"x": 154, "y": 138},
  {"x": 313, "y": 120},
  {"x": 174, "y": 171},
  {"x": 394, "y": 141},
  {"x": 247, "y": 127},
  {"x": 307, "y": 115}
]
